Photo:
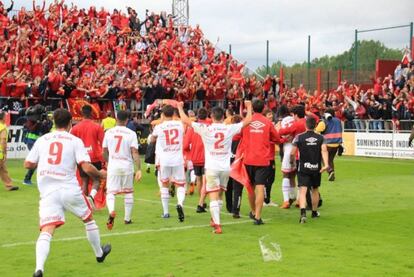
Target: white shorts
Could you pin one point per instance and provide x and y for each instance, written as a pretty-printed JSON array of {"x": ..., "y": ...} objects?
[
  {"x": 216, "y": 180},
  {"x": 174, "y": 174},
  {"x": 286, "y": 165},
  {"x": 52, "y": 207},
  {"x": 117, "y": 184}
]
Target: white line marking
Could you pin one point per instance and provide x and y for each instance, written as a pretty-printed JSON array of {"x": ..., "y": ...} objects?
[
  {"x": 136, "y": 232},
  {"x": 268, "y": 253}
]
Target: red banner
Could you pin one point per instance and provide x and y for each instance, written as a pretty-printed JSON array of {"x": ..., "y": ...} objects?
[{"x": 75, "y": 108}]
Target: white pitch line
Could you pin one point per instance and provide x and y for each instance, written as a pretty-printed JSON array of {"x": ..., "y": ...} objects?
[{"x": 129, "y": 233}]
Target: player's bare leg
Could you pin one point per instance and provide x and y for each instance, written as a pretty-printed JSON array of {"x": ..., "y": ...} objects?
[
  {"x": 215, "y": 198},
  {"x": 129, "y": 203},
  {"x": 259, "y": 204},
  {"x": 252, "y": 203},
  {"x": 180, "y": 201},
  {"x": 302, "y": 203},
  {"x": 285, "y": 190},
  {"x": 315, "y": 202},
  {"x": 201, "y": 208},
  {"x": 110, "y": 203},
  {"x": 293, "y": 193}
]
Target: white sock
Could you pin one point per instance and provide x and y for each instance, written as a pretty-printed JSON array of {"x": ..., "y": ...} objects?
[
  {"x": 180, "y": 195},
  {"x": 215, "y": 211},
  {"x": 165, "y": 197},
  {"x": 285, "y": 189},
  {"x": 292, "y": 193},
  {"x": 110, "y": 202},
  {"x": 42, "y": 250},
  {"x": 129, "y": 203},
  {"x": 93, "y": 193},
  {"x": 92, "y": 233},
  {"x": 220, "y": 202}
]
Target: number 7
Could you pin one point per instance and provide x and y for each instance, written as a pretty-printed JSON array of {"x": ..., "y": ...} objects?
[{"x": 118, "y": 143}]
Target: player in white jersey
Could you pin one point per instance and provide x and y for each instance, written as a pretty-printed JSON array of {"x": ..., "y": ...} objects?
[
  {"x": 56, "y": 155},
  {"x": 120, "y": 147},
  {"x": 169, "y": 151},
  {"x": 288, "y": 169},
  {"x": 217, "y": 139}
]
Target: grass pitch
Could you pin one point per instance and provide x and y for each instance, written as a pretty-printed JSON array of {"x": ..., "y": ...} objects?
[{"x": 365, "y": 229}]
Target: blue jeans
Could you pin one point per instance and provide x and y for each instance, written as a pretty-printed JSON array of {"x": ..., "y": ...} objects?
[
  {"x": 359, "y": 125},
  {"x": 376, "y": 125}
]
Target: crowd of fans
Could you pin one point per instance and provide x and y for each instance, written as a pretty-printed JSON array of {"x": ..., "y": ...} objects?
[{"x": 64, "y": 52}]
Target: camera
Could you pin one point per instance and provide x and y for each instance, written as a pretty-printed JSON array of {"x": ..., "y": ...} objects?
[{"x": 37, "y": 113}]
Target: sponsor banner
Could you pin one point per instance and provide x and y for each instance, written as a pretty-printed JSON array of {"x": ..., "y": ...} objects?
[
  {"x": 75, "y": 108},
  {"x": 348, "y": 144},
  {"x": 386, "y": 145},
  {"x": 16, "y": 149}
]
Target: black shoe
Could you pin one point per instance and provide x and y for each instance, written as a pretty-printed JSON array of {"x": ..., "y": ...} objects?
[
  {"x": 302, "y": 219},
  {"x": 291, "y": 201},
  {"x": 180, "y": 213},
  {"x": 315, "y": 214},
  {"x": 148, "y": 170},
  {"x": 236, "y": 216},
  {"x": 106, "y": 249},
  {"x": 38, "y": 273},
  {"x": 110, "y": 222},
  {"x": 128, "y": 222},
  {"x": 172, "y": 191},
  {"x": 205, "y": 205},
  {"x": 252, "y": 216},
  {"x": 258, "y": 221},
  {"x": 200, "y": 209},
  {"x": 331, "y": 177}
]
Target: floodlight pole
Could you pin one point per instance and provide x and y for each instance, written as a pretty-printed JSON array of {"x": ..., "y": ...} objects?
[
  {"x": 309, "y": 62},
  {"x": 411, "y": 38},
  {"x": 267, "y": 57},
  {"x": 181, "y": 12},
  {"x": 355, "y": 56}
]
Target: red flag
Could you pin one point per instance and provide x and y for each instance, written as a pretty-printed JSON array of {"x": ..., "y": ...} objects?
[{"x": 238, "y": 170}]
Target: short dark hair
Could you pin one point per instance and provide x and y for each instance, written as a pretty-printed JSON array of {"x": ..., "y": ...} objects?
[
  {"x": 168, "y": 111},
  {"x": 2, "y": 115},
  {"x": 283, "y": 111},
  {"x": 258, "y": 106},
  {"x": 202, "y": 113},
  {"x": 236, "y": 119},
  {"x": 299, "y": 110},
  {"x": 217, "y": 113},
  {"x": 330, "y": 111},
  {"x": 310, "y": 122},
  {"x": 122, "y": 116},
  {"x": 87, "y": 111},
  {"x": 62, "y": 118}
]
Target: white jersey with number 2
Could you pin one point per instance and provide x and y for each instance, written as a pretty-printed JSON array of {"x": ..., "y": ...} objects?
[
  {"x": 169, "y": 146},
  {"x": 119, "y": 141},
  {"x": 217, "y": 139},
  {"x": 57, "y": 155}
]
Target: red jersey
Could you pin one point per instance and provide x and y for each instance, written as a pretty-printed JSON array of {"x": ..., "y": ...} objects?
[
  {"x": 298, "y": 127},
  {"x": 92, "y": 135},
  {"x": 256, "y": 140}
]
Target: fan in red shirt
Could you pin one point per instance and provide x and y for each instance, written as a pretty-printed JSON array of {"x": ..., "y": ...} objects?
[
  {"x": 194, "y": 143},
  {"x": 256, "y": 143},
  {"x": 92, "y": 135}
]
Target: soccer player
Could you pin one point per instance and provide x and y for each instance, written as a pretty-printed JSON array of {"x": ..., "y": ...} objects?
[
  {"x": 168, "y": 136},
  {"x": 312, "y": 149},
  {"x": 4, "y": 174},
  {"x": 92, "y": 135},
  {"x": 108, "y": 122},
  {"x": 194, "y": 143},
  {"x": 217, "y": 139},
  {"x": 56, "y": 155},
  {"x": 120, "y": 146},
  {"x": 288, "y": 169},
  {"x": 256, "y": 140},
  {"x": 272, "y": 173}
]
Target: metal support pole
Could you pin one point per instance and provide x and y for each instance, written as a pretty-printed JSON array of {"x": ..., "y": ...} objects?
[
  {"x": 230, "y": 49},
  {"x": 356, "y": 56},
  {"x": 291, "y": 80},
  {"x": 267, "y": 56},
  {"x": 308, "y": 73},
  {"x": 328, "y": 87},
  {"x": 411, "y": 38}
]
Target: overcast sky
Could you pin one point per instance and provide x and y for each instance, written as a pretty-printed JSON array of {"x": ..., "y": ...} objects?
[{"x": 285, "y": 23}]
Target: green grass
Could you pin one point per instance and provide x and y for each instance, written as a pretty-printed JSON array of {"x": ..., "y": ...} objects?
[{"x": 365, "y": 229}]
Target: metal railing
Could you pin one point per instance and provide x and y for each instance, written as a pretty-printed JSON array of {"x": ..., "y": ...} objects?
[{"x": 378, "y": 126}]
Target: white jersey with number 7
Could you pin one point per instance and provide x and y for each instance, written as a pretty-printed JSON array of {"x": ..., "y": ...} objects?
[
  {"x": 217, "y": 139},
  {"x": 57, "y": 155},
  {"x": 119, "y": 141},
  {"x": 169, "y": 144}
]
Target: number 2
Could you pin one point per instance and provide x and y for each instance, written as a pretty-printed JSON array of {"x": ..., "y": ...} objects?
[
  {"x": 55, "y": 153},
  {"x": 118, "y": 143},
  {"x": 171, "y": 136},
  {"x": 220, "y": 138}
]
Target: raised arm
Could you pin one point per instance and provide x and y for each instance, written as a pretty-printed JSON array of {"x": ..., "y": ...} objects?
[
  {"x": 184, "y": 118},
  {"x": 248, "y": 118}
]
